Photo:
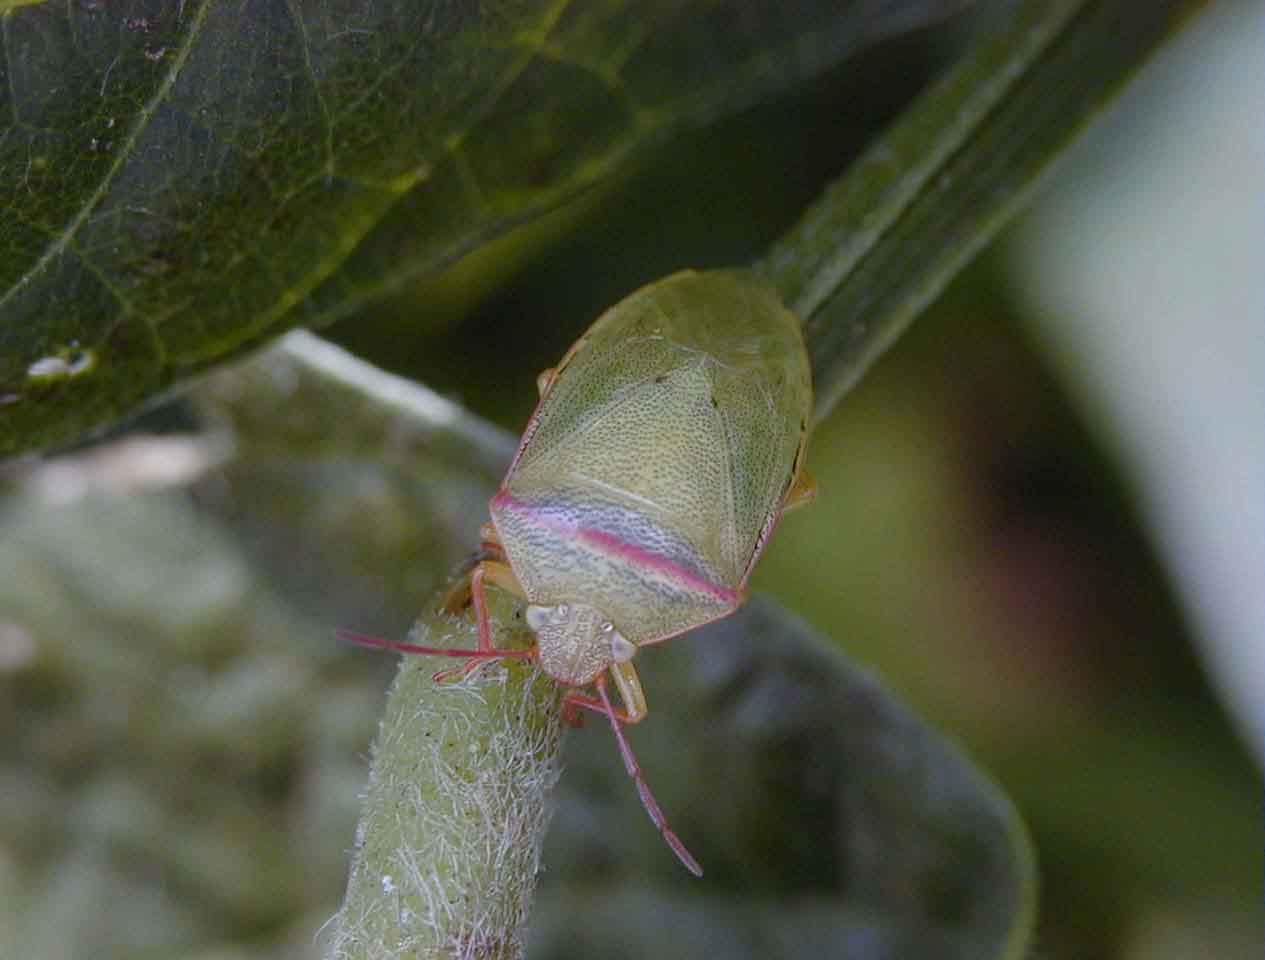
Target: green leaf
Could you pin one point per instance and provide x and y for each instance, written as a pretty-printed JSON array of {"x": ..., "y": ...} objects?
[
  {"x": 823, "y": 810},
  {"x": 182, "y": 180},
  {"x": 925, "y": 198}
]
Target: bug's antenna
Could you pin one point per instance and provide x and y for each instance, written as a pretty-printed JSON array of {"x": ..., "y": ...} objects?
[
  {"x": 643, "y": 788},
  {"x": 475, "y": 657}
]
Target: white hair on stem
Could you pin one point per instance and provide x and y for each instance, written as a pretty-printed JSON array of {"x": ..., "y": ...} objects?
[{"x": 456, "y": 810}]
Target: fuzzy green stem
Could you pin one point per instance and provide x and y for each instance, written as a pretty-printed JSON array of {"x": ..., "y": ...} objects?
[{"x": 448, "y": 846}]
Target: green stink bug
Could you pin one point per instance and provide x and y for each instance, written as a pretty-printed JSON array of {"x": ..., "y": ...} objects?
[{"x": 664, "y": 448}]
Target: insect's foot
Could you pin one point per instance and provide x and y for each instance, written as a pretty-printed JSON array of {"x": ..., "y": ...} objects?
[
  {"x": 572, "y": 716},
  {"x": 454, "y": 674},
  {"x": 476, "y": 659}
]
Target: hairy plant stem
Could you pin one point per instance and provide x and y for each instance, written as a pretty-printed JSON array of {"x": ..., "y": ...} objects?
[{"x": 448, "y": 846}]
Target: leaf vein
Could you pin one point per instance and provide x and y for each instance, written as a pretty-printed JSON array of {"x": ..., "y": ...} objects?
[
  {"x": 301, "y": 28},
  {"x": 64, "y": 240}
]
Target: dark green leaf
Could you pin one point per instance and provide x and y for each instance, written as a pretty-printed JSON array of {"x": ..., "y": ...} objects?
[
  {"x": 179, "y": 180},
  {"x": 823, "y": 811},
  {"x": 891, "y": 233}
]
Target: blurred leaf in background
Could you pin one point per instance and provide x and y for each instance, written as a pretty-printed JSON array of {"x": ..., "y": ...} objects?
[
  {"x": 1142, "y": 280},
  {"x": 830, "y": 820}
]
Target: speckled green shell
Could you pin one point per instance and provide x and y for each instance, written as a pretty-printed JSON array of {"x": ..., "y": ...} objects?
[{"x": 659, "y": 457}]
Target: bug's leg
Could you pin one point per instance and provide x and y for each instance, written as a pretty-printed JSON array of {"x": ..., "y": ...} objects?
[
  {"x": 490, "y": 543},
  {"x": 803, "y": 491},
  {"x": 643, "y": 788},
  {"x": 472, "y": 591},
  {"x": 491, "y": 557},
  {"x": 544, "y": 380},
  {"x": 490, "y": 551},
  {"x": 629, "y": 686},
  {"x": 502, "y": 576},
  {"x": 474, "y": 656},
  {"x": 458, "y": 596},
  {"x": 572, "y": 715}
]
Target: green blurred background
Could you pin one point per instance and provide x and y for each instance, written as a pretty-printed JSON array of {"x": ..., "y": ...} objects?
[{"x": 1039, "y": 518}]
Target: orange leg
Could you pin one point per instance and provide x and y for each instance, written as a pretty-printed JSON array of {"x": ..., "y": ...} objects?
[
  {"x": 571, "y": 716},
  {"x": 459, "y": 597},
  {"x": 472, "y": 592},
  {"x": 501, "y": 575},
  {"x": 629, "y": 686},
  {"x": 802, "y": 492},
  {"x": 544, "y": 380},
  {"x": 491, "y": 542},
  {"x": 575, "y": 701}
]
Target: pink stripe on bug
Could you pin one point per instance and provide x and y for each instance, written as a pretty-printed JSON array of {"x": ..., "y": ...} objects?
[{"x": 610, "y": 544}]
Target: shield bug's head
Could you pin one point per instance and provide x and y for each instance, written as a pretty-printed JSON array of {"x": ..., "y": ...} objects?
[{"x": 575, "y": 642}]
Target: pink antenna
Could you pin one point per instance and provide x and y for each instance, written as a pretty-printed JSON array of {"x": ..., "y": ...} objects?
[
  {"x": 643, "y": 788},
  {"x": 475, "y": 657}
]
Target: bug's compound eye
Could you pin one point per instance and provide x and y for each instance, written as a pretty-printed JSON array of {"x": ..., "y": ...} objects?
[
  {"x": 622, "y": 649},
  {"x": 538, "y": 616}
]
